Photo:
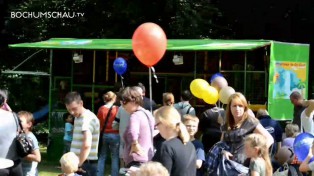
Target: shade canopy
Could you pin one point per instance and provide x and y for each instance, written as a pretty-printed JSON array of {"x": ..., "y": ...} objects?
[{"x": 126, "y": 44}]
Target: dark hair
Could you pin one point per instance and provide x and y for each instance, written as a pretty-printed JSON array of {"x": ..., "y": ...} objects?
[
  {"x": 186, "y": 95},
  {"x": 141, "y": 85},
  {"x": 131, "y": 94},
  {"x": 72, "y": 97},
  {"x": 296, "y": 95},
  {"x": 1, "y": 100}
]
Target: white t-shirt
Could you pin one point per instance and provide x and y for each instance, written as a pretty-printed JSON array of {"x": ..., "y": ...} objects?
[{"x": 307, "y": 124}]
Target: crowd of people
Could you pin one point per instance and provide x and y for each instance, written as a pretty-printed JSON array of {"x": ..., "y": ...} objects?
[{"x": 142, "y": 139}]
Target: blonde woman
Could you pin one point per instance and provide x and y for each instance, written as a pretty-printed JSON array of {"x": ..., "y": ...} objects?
[
  {"x": 238, "y": 125},
  {"x": 168, "y": 100},
  {"x": 176, "y": 153},
  {"x": 110, "y": 138}
]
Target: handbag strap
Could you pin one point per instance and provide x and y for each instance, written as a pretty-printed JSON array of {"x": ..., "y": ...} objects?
[
  {"x": 151, "y": 130},
  {"x": 18, "y": 123},
  {"x": 106, "y": 121}
]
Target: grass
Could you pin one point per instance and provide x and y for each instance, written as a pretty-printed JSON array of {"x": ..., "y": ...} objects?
[{"x": 46, "y": 167}]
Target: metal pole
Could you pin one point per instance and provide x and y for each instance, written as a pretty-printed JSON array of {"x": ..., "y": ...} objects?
[
  {"x": 107, "y": 67},
  {"x": 93, "y": 86},
  {"x": 50, "y": 89},
  {"x": 150, "y": 89},
  {"x": 245, "y": 66},
  {"x": 195, "y": 65},
  {"x": 116, "y": 75}
]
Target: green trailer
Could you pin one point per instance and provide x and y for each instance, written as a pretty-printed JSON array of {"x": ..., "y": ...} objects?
[{"x": 265, "y": 71}]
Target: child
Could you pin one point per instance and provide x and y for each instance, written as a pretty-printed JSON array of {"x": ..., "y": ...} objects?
[
  {"x": 191, "y": 123},
  {"x": 30, "y": 162},
  {"x": 69, "y": 164},
  {"x": 306, "y": 165},
  {"x": 68, "y": 131},
  {"x": 257, "y": 150}
]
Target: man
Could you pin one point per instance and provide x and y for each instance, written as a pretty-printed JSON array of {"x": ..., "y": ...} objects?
[
  {"x": 297, "y": 99},
  {"x": 184, "y": 107},
  {"x": 8, "y": 129},
  {"x": 146, "y": 101},
  {"x": 273, "y": 127},
  {"x": 85, "y": 134},
  {"x": 307, "y": 124}
]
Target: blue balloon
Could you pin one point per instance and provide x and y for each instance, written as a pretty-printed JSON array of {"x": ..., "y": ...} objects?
[
  {"x": 215, "y": 76},
  {"x": 120, "y": 66},
  {"x": 302, "y": 144}
]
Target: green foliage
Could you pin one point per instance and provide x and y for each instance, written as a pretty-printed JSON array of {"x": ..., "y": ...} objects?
[{"x": 115, "y": 19}]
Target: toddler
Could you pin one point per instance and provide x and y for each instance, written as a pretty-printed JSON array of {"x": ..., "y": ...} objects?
[{"x": 30, "y": 162}]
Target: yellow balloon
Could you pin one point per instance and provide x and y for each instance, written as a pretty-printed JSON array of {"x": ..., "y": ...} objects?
[
  {"x": 210, "y": 95},
  {"x": 197, "y": 86}
]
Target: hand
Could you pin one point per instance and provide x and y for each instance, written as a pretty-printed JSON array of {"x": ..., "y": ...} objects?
[
  {"x": 80, "y": 171},
  {"x": 137, "y": 148},
  {"x": 227, "y": 154}
]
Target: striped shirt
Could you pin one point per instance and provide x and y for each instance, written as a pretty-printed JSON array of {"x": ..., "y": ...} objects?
[{"x": 87, "y": 121}]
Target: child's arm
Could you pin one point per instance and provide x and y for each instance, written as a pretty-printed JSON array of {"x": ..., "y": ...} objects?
[
  {"x": 34, "y": 156},
  {"x": 254, "y": 173}
]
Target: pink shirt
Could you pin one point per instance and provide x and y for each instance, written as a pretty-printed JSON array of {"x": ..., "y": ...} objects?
[{"x": 138, "y": 129}]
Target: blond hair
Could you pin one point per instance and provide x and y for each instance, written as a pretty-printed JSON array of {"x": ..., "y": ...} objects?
[
  {"x": 291, "y": 130},
  {"x": 69, "y": 162},
  {"x": 110, "y": 96},
  {"x": 171, "y": 118},
  {"x": 259, "y": 141},
  {"x": 152, "y": 169},
  {"x": 168, "y": 98},
  {"x": 188, "y": 117},
  {"x": 229, "y": 117},
  {"x": 28, "y": 116}
]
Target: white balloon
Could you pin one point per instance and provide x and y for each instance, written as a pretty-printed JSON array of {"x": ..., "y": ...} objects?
[
  {"x": 225, "y": 93},
  {"x": 219, "y": 83}
]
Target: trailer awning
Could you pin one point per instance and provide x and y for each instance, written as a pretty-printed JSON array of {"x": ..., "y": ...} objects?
[{"x": 126, "y": 44}]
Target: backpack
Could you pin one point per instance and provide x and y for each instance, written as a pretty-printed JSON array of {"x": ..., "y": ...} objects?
[
  {"x": 213, "y": 157},
  {"x": 184, "y": 112}
]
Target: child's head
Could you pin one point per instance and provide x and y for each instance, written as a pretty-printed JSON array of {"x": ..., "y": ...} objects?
[
  {"x": 284, "y": 155},
  {"x": 191, "y": 123},
  {"x": 291, "y": 130},
  {"x": 27, "y": 120},
  {"x": 152, "y": 169},
  {"x": 69, "y": 163},
  {"x": 255, "y": 145},
  {"x": 67, "y": 117}
]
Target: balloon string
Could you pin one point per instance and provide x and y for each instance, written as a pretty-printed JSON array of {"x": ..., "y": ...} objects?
[
  {"x": 154, "y": 74},
  {"x": 122, "y": 81}
]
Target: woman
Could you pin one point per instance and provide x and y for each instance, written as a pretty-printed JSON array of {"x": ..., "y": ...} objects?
[
  {"x": 110, "y": 138},
  {"x": 238, "y": 125},
  {"x": 138, "y": 135},
  {"x": 177, "y": 153},
  {"x": 168, "y": 100}
]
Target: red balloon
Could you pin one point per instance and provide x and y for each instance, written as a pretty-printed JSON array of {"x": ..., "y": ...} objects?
[{"x": 149, "y": 43}]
